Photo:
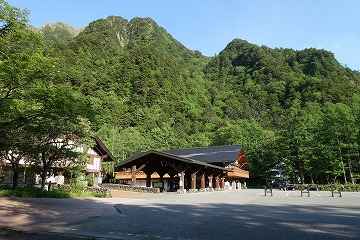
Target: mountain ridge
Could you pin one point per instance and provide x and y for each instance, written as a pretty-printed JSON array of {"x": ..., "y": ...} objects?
[
  {"x": 49, "y": 28},
  {"x": 57, "y": 32},
  {"x": 62, "y": 25},
  {"x": 148, "y": 91}
]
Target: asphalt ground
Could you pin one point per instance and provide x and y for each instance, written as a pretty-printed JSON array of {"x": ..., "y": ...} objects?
[{"x": 241, "y": 214}]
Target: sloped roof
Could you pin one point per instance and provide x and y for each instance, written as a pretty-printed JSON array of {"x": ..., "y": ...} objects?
[
  {"x": 144, "y": 156},
  {"x": 211, "y": 160},
  {"x": 207, "y": 155},
  {"x": 103, "y": 150},
  {"x": 215, "y": 154}
]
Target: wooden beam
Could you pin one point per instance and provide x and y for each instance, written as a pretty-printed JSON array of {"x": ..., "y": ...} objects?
[
  {"x": 210, "y": 181},
  {"x": 217, "y": 185},
  {"x": 202, "y": 186},
  {"x": 162, "y": 183},
  {"x": 133, "y": 176},
  {"x": 222, "y": 182},
  {"x": 172, "y": 165},
  {"x": 182, "y": 181},
  {"x": 148, "y": 180},
  {"x": 143, "y": 166},
  {"x": 193, "y": 180}
]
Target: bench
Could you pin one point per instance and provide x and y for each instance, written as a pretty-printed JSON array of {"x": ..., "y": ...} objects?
[
  {"x": 305, "y": 190},
  {"x": 337, "y": 191},
  {"x": 268, "y": 189}
]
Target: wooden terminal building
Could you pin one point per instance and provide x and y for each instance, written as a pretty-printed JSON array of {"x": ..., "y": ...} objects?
[{"x": 185, "y": 169}]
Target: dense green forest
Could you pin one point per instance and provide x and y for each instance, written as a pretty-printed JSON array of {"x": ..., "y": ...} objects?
[{"x": 137, "y": 88}]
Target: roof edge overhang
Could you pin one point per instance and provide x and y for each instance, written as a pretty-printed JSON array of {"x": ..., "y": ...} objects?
[
  {"x": 164, "y": 154},
  {"x": 100, "y": 146}
]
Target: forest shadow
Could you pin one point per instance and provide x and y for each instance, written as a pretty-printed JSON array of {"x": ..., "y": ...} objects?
[
  {"x": 36, "y": 214},
  {"x": 134, "y": 217},
  {"x": 253, "y": 221}
]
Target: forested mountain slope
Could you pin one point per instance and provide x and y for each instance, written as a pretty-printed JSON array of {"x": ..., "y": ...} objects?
[
  {"x": 58, "y": 32},
  {"x": 138, "y": 79},
  {"x": 265, "y": 81},
  {"x": 148, "y": 91},
  {"x": 305, "y": 98}
]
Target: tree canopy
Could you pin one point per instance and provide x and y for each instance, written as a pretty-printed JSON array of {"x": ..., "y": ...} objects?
[
  {"x": 39, "y": 111},
  {"x": 139, "y": 89}
]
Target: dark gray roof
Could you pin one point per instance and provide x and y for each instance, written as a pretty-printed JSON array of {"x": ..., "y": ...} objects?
[
  {"x": 103, "y": 150},
  {"x": 142, "y": 157},
  {"x": 209, "y": 158},
  {"x": 209, "y": 154}
]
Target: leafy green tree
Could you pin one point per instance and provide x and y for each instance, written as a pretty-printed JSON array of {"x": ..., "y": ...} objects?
[
  {"x": 257, "y": 143},
  {"x": 15, "y": 159},
  {"x": 150, "y": 92},
  {"x": 22, "y": 67},
  {"x": 298, "y": 141},
  {"x": 355, "y": 146},
  {"x": 40, "y": 119},
  {"x": 341, "y": 131},
  {"x": 61, "y": 132}
]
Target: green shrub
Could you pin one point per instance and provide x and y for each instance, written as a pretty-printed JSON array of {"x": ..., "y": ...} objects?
[
  {"x": 90, "y": 180},
  {"x": 34, "y": 192},
  {"x": 66, "y": 191},
  {"x": 348, "y": 187}
]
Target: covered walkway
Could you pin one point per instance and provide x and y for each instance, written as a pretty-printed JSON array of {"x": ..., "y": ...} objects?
[{"x": 198, "y": 168}]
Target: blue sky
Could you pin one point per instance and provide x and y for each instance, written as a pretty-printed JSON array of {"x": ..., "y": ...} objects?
[{"x": 209, "y": 25}]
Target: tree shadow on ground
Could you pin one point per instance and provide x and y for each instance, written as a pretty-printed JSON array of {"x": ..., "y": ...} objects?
[
  {"x": 144, "y": 217},
  {"x": 228, "y": 221}
]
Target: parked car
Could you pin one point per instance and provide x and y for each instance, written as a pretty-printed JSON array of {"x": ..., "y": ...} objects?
[
  {"x": 287, "y": 187},
  {"x": 314, "y": 187}
]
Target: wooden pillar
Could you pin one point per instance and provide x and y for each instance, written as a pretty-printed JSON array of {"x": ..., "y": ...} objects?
[
  {"x": 211, "y": 181},
  {"x": 222, "y": 182},
  {"x": 148, "y": 180},
  {"x": 193, "y": 181},
  {"x": 133, "y": 176},
  {"x": 202, "y": 186},
  {"x": 182, "y": 181},
  {"x": 162, "y": 183},
  {"x": 217, "y": 185},
  {"x": 171, "y": 182}
]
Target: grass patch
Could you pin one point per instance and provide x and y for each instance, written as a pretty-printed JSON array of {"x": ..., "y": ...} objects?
[
  {"x": 34, "y": 192},
  {"x": 63, "y": 192}
]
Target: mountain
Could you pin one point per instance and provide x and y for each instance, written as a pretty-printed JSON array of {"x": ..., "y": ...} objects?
[
  {"x": 106, "y": 43},
  {"x": 278, "y": 79},
  {"x": 58, "y": 32},
  {"x": 148, "y": 91},
  {"x": 130, "y": 67}
]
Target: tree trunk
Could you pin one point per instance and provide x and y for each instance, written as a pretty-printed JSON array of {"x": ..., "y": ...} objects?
[
  {"x": 311, "y": 178},
  {"x": 43, "y": 179},
  {"x": 15, "y": 167},
  {"x": 344, "y": 172},
  {"x": 15, "y": 178},
  {"x": 349, "y": 166},
  {"x": 44, "y": 172},
  {"x": 341, "y": 159},
  {"x": 301, "y": 168}
]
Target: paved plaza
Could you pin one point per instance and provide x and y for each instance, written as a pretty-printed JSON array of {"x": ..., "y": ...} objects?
[{"x": 240, "y": 214}]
